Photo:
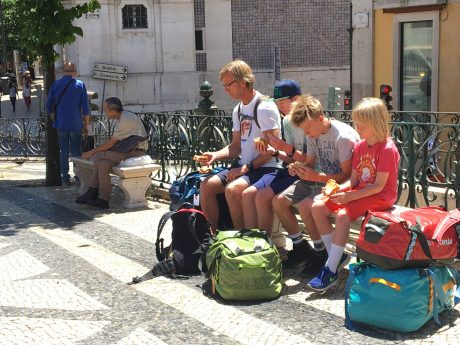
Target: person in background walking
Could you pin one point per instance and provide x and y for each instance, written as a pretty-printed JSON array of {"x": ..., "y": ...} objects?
[
  {"x": 13, "y": 87},
  {"x": 27, "y": 89},
  {"x": 72, "y": 102}
]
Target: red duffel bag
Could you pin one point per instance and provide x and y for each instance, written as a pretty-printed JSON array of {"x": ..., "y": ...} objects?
[{"x": 413, "y": 238}]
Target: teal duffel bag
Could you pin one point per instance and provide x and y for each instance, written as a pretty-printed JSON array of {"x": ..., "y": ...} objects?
[
  {"x": 244, "y": 265},
  {"x": 399, "y": 300}
]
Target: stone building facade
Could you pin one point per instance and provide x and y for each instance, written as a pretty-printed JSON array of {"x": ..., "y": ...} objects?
[{"x": 172, "y": 46}]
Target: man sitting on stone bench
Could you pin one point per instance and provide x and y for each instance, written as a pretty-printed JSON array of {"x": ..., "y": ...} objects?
[{"x": 129, "y": 140}]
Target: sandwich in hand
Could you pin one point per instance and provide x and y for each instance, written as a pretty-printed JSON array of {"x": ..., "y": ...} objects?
[
  {"x": 331, "y": 187},
  {"x": 260, "y": 141},
  {"x": 199, "y": 158}
]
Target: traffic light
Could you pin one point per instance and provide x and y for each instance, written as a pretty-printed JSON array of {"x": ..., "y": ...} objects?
[
  {"x": 92, "y": 95},
  {"x": 347, "y": 100},
  {"x": 385, "y": 95},
  {"x": 333, "y": 98}
]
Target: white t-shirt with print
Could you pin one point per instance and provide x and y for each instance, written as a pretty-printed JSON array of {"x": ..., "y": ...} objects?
[{"x": 268, "y": 118}]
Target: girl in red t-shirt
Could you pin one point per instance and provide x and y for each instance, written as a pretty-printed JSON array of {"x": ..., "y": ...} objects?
[{"x": 372, "y": 186}]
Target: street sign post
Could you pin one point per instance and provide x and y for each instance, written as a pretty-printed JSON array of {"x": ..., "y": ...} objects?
[
  {"x": 110, "y": 72},
  {"x": 107, "y": 71},
  {"x": 110, "y": 76}
]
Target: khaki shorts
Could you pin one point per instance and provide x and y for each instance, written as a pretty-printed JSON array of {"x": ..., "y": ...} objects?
[{"x": 301, "y": 190}]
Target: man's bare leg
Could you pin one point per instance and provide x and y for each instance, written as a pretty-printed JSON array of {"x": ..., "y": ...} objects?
[
  {"x": 233, "y": 194},
  {"x": 209, "y": 189}
]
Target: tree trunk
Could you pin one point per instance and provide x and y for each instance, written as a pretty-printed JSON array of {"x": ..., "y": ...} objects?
[{"x": 53, "y": 171}]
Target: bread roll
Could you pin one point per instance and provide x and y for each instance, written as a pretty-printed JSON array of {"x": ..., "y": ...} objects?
[
  {"x": 199, "y": 158},
  {"x": 331, "y": 187}
]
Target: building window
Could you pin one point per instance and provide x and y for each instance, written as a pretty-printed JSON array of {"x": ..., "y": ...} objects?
[
  {"x": 201, "y": 62},
  {"x": 199, "y": 43},
  {"x": 134, "y": 17}
]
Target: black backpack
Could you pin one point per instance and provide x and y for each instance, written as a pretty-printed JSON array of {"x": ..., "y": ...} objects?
[{"x": 190, "y": 236}]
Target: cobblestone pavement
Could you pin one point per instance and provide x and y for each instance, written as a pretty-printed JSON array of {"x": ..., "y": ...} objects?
[{"x": 64, "y": 269}]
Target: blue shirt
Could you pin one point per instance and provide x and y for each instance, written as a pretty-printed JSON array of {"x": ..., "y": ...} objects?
[{"x": 71, "y": 107}]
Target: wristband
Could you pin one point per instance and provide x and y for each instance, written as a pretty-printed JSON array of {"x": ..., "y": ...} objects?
[
  {"x": 250, "y": 166},
  {"x": 291, "y": 154}
]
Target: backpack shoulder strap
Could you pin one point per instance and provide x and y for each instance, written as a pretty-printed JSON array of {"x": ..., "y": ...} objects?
[
  {"x": 159, "y": 242},
  {"x": 254, "y": 112}
]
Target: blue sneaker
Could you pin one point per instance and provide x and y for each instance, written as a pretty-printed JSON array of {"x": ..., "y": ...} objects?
[{"x": 325, "y": 280}]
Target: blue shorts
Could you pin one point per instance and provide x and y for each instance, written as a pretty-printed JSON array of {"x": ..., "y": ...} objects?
[
  {"x": 251, "y": 177},
  {"x": 282, "y": 181},
  {"x": 277, "y": 181}
]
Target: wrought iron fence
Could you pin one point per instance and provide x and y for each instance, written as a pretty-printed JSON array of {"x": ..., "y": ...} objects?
[{"x": 429, "y": 171}]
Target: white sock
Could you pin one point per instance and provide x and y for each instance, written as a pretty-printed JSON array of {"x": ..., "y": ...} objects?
[
  {"x": 327, "y": 240},
  {"x": 318, "y": 245},
  {"x": 334, "y": 257},
  {"x": 296, "y": 238}
]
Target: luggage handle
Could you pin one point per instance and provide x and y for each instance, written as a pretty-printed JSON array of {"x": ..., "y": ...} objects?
[
  {"x": 386, "y": 283},
  {"x": 374, "y": 227},
  {"x": 250, "y": 233},
  {"x": 417, "y": 230}
]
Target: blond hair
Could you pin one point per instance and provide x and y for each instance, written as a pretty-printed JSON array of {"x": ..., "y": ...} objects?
[
  {"x": 372, "y": 112},
  {"x": 305, "y": 108},
  {"x": 69, "y": 67},
  {"x": 241, "y": 71}
]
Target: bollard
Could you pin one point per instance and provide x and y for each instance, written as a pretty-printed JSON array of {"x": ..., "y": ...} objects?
[
  {"x": 206, "y": 106},
  {"x": 204, "y": 129}
]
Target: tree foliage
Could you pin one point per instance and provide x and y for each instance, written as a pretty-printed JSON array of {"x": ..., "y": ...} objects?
[
  {"x": 10, "y": 28},
  {"x": 44, "y": 24}
]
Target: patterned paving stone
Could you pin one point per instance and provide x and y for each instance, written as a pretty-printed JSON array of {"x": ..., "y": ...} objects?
[
  {"x": 141, "y": 337},
  {"x": 237, "y": 325},
  {"x": 47, "y": 294},
  {"x": 27, "y": 331},
  {"x": 109, "y": 248},
  {"x": 19, "y": 265}
]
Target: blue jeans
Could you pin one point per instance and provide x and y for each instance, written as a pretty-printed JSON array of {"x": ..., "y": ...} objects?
[{"x": 75, "y": 147}]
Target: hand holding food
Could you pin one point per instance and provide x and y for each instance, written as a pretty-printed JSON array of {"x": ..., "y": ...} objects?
[
  {"x": 331, "y": 187},
  {"x": 200, "y": 158},
  {"x": 261, "y": 144}
]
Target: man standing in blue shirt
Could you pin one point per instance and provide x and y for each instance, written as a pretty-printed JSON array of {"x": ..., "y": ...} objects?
[{"x": 72, "y": 102}]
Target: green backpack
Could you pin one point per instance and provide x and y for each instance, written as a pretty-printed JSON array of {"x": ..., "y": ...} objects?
[{"x": 244, "y": 265}]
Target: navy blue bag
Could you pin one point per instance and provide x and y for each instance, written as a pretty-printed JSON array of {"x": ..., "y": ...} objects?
[
  {"x": 186, "y": 190},
  {"x": 187, "y": 187}
]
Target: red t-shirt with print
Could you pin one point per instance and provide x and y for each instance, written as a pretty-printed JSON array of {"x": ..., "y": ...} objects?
[{"x": 380, "y": 157}]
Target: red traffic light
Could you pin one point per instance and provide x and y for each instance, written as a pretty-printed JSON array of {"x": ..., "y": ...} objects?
[
  {"x": 385, "y": 95},
  {"x": 385, "y": 89}
]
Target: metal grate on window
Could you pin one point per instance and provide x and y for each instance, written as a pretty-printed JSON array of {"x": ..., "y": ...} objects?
[
  {"x": 201, "y": 62},
  {"x": 134, "y": 17},
  {"x": 199, "y": 13}
]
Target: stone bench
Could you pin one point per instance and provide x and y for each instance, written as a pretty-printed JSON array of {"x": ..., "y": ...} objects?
[
  {"x": 133, "y": 181},
  {"x": 281, "y": 241}
]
